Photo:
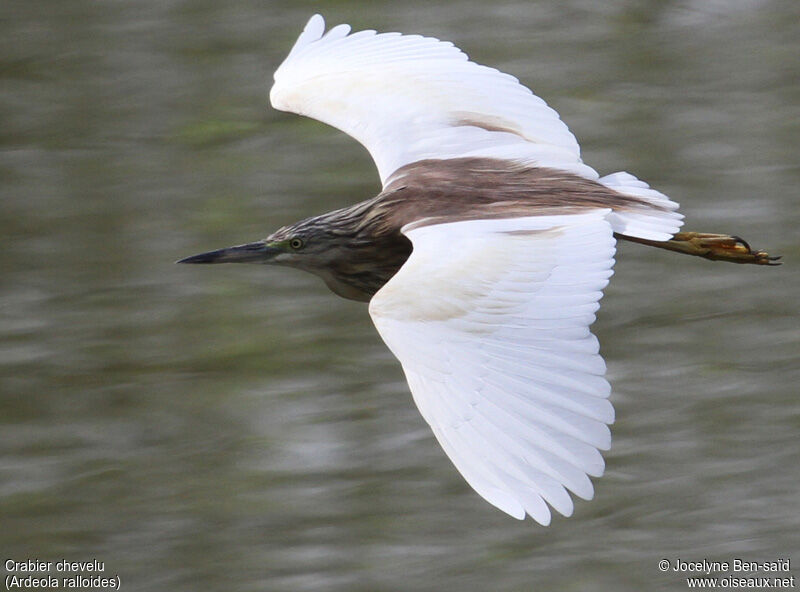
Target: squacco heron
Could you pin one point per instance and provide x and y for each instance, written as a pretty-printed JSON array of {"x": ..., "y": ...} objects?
[{"x": 483, "y": 258}]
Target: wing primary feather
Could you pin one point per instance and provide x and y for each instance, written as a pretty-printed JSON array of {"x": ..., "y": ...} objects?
[{"x": 537, "y": 446}]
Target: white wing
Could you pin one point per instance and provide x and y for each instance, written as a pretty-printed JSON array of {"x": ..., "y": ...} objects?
[
  {"x": 407, "y": 98},
  {"x": 490, "y": 320}
]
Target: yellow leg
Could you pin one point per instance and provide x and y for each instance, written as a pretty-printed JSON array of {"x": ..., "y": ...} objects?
[{"x": 717, "y": 247}]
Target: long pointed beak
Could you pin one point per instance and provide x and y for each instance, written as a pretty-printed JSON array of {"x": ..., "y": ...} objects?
[{"x": 258, "y": 252}]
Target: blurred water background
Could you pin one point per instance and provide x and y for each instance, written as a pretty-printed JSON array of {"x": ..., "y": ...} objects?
[{"x": 240, "y": 428}]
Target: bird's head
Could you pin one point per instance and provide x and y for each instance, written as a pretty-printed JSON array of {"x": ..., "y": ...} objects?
[
  {"x": 333, "y": 246},
  {"x": 307, "y": 244}
]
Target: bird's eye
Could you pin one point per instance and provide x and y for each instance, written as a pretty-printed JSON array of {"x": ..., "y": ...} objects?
[{"x": 296, "y": 243}]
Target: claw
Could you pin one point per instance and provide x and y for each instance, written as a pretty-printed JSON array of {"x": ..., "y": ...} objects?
[{"x": 741, "y": 240}]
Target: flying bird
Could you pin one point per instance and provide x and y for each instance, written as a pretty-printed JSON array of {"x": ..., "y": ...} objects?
[{"x": 483, "y": 258}]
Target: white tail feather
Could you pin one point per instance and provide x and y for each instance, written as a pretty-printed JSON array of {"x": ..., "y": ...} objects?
[{"x": 652, "y": 224}]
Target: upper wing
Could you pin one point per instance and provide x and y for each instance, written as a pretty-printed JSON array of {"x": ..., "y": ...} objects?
[
  {"x": 490, "y": 320},
  {"x": 407, "y": 98}
]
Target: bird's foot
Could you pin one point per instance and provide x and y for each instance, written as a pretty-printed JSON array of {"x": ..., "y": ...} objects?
[{"x": 722, "y": 247}]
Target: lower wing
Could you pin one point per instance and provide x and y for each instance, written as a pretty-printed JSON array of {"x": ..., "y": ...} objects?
[{"x": 490, "y": 320}]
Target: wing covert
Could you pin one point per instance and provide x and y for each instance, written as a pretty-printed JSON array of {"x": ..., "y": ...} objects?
[{"x": 490, "y": 321}]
